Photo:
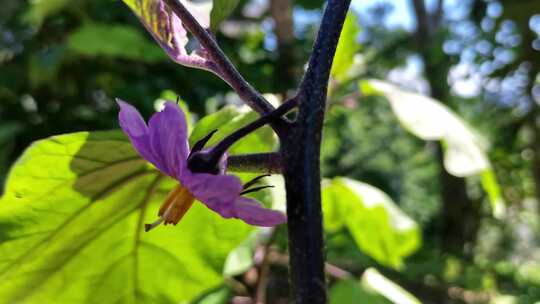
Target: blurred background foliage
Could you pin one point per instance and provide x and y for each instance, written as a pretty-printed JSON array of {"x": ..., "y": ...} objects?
[{"x": 62, "y": 63}]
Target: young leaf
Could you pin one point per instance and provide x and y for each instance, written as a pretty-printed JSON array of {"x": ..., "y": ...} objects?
[
  {"x": 221, "y": 9},
  {"x": 346, "y": 48},
  {"x": 167, "y": 29},
  {"x": 71, "y": 229},
  {"x": 380, "y": 229}
]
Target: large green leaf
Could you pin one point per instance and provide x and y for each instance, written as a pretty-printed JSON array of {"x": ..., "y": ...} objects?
[
  {"x": 95, "y": 39},
  {"x": 221, "y": 9},
  {"x": 71, "y": 229},
  {"x": 346, "y": 48},
  {"x": 429, "y": 119},
  {"x": 380, "y": 229}
]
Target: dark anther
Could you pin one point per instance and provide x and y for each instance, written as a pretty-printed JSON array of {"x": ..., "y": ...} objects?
[
  {"x": 199, "y": 145},
  {"x": 255, "y": 189},
  {"x": 254, "y": 181},
  {"x": 177, "y": 99}
]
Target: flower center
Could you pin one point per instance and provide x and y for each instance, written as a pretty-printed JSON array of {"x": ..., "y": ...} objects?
[{"x": 173, "y": 209}]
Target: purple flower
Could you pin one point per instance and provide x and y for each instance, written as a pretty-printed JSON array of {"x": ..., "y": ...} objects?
[{"x": 164, "y": 143}]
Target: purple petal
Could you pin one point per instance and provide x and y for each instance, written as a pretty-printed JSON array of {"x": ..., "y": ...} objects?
[
  {"x": 134, "y": 126},
  {"x": 168, "y": 139},
  {"x": 217, "y": 192},
  {"x": 253, "y": 213}
]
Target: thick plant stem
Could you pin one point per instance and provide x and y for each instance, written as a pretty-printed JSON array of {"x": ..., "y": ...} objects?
[{"x": 301, "y": 164}]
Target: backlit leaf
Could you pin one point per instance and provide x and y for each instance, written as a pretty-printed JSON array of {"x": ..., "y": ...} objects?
[
  {"x": 346, "y": 48},
  {"x": 226, "y": 121},
  {"x": 71, "y": 229},
  {"x": 380, "y": 229},
  {"x": 372, "y": 288},
  {"x": 429, "y": 119}
]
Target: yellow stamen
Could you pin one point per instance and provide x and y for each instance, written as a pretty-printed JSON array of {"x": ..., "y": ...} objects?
[{"x": 174, "y": 208}]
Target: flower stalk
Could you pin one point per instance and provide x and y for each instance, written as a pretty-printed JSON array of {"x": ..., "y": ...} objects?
[{"x": 207, "y": 161}]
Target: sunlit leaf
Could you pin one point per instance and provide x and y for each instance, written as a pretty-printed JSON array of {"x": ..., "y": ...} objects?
[
  {"x": 372, "y": 288},
  {"x": 380, "y": 229},
  {"x": 226, "y": 121},
  {"x": 95, "y": 39},
  {"x": 347, "y": 47},
  {"x": 71, "y": 229},
  {"x": 375, "y": 281},
  {"x": 221, "y": 9},
  {"x": 241, "y": 258},
  {"x": 429, "y": 119},
  {"x": 167, "y": 29},
  {"x": 491, "y": 186}
]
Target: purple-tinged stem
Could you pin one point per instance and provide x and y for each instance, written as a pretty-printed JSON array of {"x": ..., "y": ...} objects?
[{"x": 224, "y": 68}]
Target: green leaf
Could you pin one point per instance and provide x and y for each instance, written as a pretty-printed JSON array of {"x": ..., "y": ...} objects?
[
  {"x": 379, "y": 228},
  {"x": 221, "y": 295},
  {"x": 241, "y": 258},
  {"x": 119, "y": 41},
  {"x": 373, "y": 288},
  {"x": 346, "y": 48},
  {"x": 429, "y": 119},
  {"x": 377, "y": 283},
  {"x": 490, "y": 185},
  {"x": 221, "y": 9},
  {"x": 226, "y": 121},
  {"x": 73, "y": 212}
]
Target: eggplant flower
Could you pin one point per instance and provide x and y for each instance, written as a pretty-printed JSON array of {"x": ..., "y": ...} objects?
[{"x": 164, "y": 143}]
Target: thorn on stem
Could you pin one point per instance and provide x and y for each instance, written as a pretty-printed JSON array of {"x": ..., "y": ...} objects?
[
  {"x": 255, "y": 189},
  {"x": 254, "y": 181}
]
